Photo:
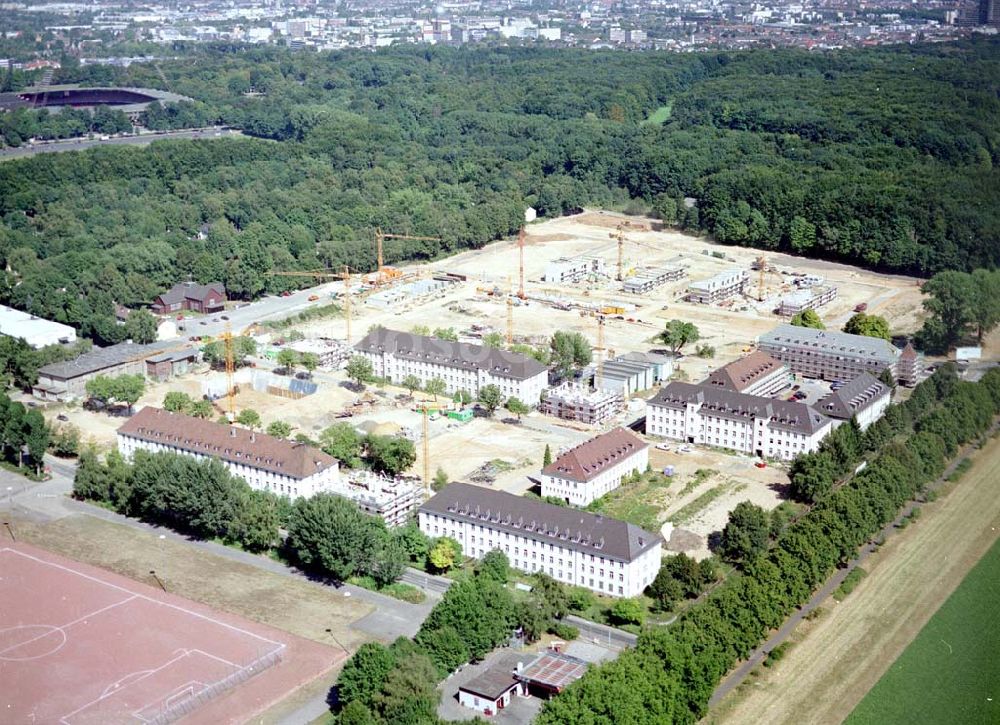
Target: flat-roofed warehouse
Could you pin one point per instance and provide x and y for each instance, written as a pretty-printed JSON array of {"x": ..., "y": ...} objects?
[{"x": 35, "y": 331}]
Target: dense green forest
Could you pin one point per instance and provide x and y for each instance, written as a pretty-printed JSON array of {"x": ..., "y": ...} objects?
[{"x": 886, "y": 157}]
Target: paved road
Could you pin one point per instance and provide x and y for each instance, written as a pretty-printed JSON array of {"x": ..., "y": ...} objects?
[
  {"x": 737, "y": 676},
  {"x": 609, "y": 636},
  {"x": 425, "y": 581},
  {"x": 80, "y": 144},
  {"x": 49, "y": 500}
]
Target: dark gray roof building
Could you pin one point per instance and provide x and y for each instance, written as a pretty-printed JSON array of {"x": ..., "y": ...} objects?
[
  {"x": 404, "y": 345},
  {"x": 563, "y": 526},
  {"x": 790, "y": 415},
  {"x": 854, "y": 397}
]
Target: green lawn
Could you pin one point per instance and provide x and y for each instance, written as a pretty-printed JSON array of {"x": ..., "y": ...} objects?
[
  {"x": 951, "y": 672},
  {"x": 660, "y": 115}
]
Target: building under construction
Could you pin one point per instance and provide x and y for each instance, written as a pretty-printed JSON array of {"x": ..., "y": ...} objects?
[
  {"x": 565, "y": 269},
  {"x": 392, "y": 499},
  {"x": 810, "y": 298},
  {"x": 720, "y": 287},
  {"x": 572, "y": 401},
  {"x": 647, "y": 279}
]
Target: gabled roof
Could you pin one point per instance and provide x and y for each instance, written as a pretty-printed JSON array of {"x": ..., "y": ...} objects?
[
  {"x": 786, "y": 414},
  {"x": 190, "y": 291},
  {"x": 853, "y": 397},
  {"x": 407, "y": 346},
  {"x": 560, "y": 525},
  {"x": 741, "y": 374},
  {"x": 227, "y": 443},
  {"x": 588, "y": 460}
]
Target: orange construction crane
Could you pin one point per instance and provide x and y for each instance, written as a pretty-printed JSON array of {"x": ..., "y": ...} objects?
[
  {"x": 619, "y": 234},
  {"x": 520, "y": 252},
  {"x": 380, "y": 237},
  {"x": 227, "y": 342}
]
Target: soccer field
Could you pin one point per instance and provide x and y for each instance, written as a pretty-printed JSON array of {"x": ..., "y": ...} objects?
[{"x": 951, "y": 672}]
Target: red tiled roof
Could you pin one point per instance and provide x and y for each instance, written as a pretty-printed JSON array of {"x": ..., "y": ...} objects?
[
  {"x": 741, "y": 374},
  {"x": 588, "y": 460},
  {"x": 227, "y": 442}
]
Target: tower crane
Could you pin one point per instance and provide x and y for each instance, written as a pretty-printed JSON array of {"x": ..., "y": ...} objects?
[
  {"x": 345, "y": 275},
  {"x": 426, "y": 450},
  {"x": 227, "y": 343},
  {"x": 619, "y": 234},
  {"x": 380, "y": 238}
]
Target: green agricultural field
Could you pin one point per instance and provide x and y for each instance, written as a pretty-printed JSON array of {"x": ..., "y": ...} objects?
[{"x": 951, "y": 672}]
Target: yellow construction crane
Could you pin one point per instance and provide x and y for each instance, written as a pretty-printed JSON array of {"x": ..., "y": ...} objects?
[
  {"x": 619, "y": 234},
  {"x": 344, "y": 275},
  {"x": 762, "y": 268},
  {"x": 380, "y": 238},
  {"x": 227, "y": 343}
]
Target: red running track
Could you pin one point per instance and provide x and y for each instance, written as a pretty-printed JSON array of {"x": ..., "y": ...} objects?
[{"x": 80, "y": 645}]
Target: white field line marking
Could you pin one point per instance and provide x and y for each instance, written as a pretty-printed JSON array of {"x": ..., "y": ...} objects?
[
  {"x": 61, "y": 628},
  {"x": 234, "y": 628},
  {"x": 145, "y": 674}
]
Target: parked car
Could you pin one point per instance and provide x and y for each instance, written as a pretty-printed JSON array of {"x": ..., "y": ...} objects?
[
  {"x": 663, "y": 447},
  {"x": 62, "y": 417},
  {"x": 225, "y": 317},
  {"x": 313, "y": 298}
]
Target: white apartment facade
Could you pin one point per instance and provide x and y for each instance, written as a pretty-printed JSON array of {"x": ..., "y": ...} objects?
[
  {"x": 596, "y": 467},
  {"x": 266, "y": 463},
  {"x": 761, "y": 427},
  {"x": 574, "y": 269},
  {"x": 395, "y": 355},
  {"x": 720, "y": 287},
  {"x": 604, "y": 555},
  {"x": 828, "y": 354}
]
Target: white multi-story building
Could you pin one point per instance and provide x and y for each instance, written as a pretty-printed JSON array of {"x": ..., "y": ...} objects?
[
  {"x": 720, "y": 287},
  {"x": 864, "y": 398},
  {"x": 604, "y": 555},
  {"x": 266, "y": 463},
  {"x": 395, "y": 355},
  {"x": 595, "y": 467},
  {"x": 756, "y": 374},
  {"x": 565, "y": 269},
  {"x": 649, "y": 278},
  {"x": 808, "y": 298},
  {"x": 762, "y": 427}
]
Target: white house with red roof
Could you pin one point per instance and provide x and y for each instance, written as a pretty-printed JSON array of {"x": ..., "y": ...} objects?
[{"x": 596, "y": 467}]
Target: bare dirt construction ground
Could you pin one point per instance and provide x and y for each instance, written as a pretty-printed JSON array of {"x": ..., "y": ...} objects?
[
  {"x": 699, "y": 504},
  {"x": 730, "y": 330},
  {"x": 842, "y": 654},
  {"x": 278, "y": 601}
]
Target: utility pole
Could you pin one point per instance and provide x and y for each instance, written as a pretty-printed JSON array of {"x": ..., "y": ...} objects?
[{"x": 10, "y": 531}]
